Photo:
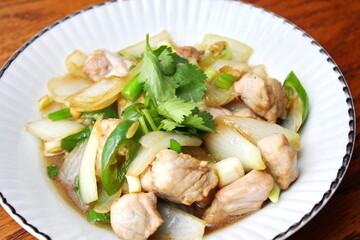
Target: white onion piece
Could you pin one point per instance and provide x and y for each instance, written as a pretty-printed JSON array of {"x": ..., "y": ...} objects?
[
  {"x": 104, "y": 202},
  {"x": 100, "y": 94},
  {"x": 254, "y": 129},
  {"x": 87, "y": 177},
  {"x": 178, "y": 225},
  {"x": 61, "y": 87},
  {"x": 48, "y": 130},
  {"x": 240, "y": 51},
  {"x": 154, "y": 142},
  {"x": 71, "y": 166},
  {"x": 227, "y": 143},
  {"x": 160, "y": 38}
]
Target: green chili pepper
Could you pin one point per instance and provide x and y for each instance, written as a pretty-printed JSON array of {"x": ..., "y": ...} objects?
[
  {"x": 70, "y": 142},
  {"x": 112, "y": 177},
  {"x": 298, "y": 102},
  {"x": 107, "y": 112},
  {"x": 133, "y": 112},
  {"x": 94, "y": 216}
]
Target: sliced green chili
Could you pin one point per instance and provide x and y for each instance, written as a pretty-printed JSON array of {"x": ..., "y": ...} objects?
[
  {"x": 112, "y": 176},
  {"x": 174, "y": 145},
  {"x": 294, "y": 88},
  {"x": 70, "y": 142},
  {"x": 95, "y": 217}
]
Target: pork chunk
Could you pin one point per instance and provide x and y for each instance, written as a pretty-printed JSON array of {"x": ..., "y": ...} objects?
[
  {"x": 219, "y": 111},
  {"x": 266, "y": 98},
  {"x": 135, "y": 217},
  {"x": 102, "y": 63},
  {"x": 179, "y": 178},
  {"x": 106, "y": 127},
  {"x": 280, "y": 157},
  {"x": 243, "y": 196},
  {"x": 189, "y": 53}
]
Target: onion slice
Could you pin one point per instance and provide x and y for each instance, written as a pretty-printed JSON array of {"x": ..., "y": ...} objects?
[
  {"x": 178, "y": 225},
  {"x": 154, "y": 142},
  {"x": 48, "y": 130},
  {"x": 254, "y": 129}
]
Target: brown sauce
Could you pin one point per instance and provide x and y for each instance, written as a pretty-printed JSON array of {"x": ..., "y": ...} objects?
[{"x": 68, "y": 194}]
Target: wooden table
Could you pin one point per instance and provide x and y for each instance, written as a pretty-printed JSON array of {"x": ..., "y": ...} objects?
[{"x": 334, "y": 24}]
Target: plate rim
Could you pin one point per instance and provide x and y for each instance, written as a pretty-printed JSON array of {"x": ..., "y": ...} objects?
[{"x": 294, "y": 227}]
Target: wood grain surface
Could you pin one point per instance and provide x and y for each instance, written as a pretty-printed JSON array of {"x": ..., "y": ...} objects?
[{"x": 335, "y": 24}]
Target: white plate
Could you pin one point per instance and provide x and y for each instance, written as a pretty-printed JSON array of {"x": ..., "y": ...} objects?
[{"x": 327, "y": 139}]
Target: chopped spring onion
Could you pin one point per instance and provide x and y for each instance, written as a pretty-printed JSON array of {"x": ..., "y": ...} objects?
[
  {"x": 149, "y": 119},
  {"x": 95, "y": 217},
  {"x": 174, "y": 145},
  {"x": 211, "y": 74},
  {"x": 133, "y": 89},
  {"x": 70, "y": 142},
  {"x": 224, "y": 81},
  {"x": 106, "y": 113},
  {"x": 143, "y": 125},
  {"x": 60, "y": 114},
  {"x": 52, "y": 171}
]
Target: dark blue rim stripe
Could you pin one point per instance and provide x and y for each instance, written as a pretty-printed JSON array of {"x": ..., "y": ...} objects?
[{"x": 351, "y": 111}]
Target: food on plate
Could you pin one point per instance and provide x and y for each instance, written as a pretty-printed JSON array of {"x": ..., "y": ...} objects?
[{"x": 166, "y": 142}]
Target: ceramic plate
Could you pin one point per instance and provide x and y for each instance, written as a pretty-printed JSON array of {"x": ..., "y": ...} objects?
[{"x": 326, "y": 140}]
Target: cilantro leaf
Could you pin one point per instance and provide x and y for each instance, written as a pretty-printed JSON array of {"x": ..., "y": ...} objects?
[
  {"x": 169, "y": 125},
  {"x": 156, "y": 85},
  {"x": 167, "y": 61},
  {"x": 190, "y": 80},
  {"x": 208, "y": 120},
  {"x": 197, "y": 122},
  {"x": 176, "y": 109}
]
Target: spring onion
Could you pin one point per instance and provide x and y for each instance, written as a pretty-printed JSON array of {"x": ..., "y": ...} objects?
[
  {"x": 60, "y": 114},
  {"x": 52, "y": 171},
  {"x": 174, "y": 145},
  {"x": 224, "y": 81},
  {"x": 211, "y": 74},
  {"x": 95, "y": 217},
  {"x": 133, "y": 89},
  {"x": 71, "y": 141},
  {"x": 106, "y": 113}
]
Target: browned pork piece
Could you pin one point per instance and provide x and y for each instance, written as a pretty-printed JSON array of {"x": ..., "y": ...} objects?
[
  {"x": 102, "y": 63},
  {"x": 106, "y": 127},
  {"x": 266, "y": 98},
  {"x": 189, "y": 53},
  {"x": 280, "y": 157},
  {"x": 135, "y": 217},
  {"x": 219, "y": 111},
  {"x": 243, "y": 196},
  {"x": 179, "y": 178}
]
